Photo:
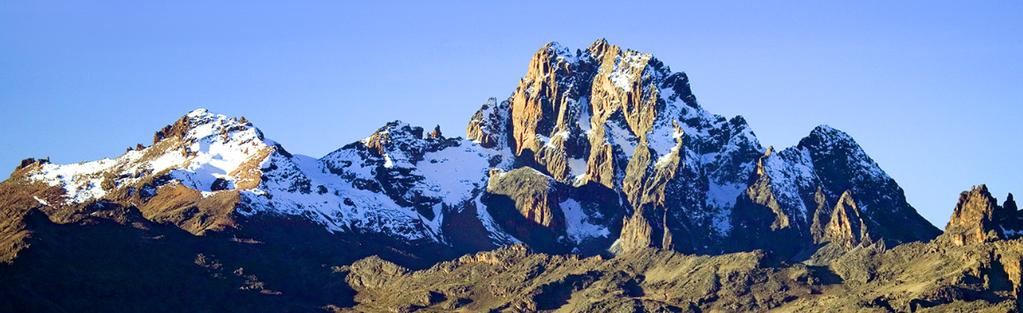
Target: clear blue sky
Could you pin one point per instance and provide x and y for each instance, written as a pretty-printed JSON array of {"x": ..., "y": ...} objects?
[{"x": 932, "y": 90}]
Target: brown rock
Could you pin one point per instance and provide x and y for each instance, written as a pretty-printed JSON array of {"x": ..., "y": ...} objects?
[
  {"x": 644, "y": 187},
  {"x": 539, "y": 99},
  {"x": 821, "y": 216},
  {"x": 761, "y": 193},
  {"x": 176, "y": 130},
  {"x": 32, "y": 161},
  {"x": 377, "y": 142},
  {"x": 435, "y": 133},
  {"x": 489, "y": 125},
  {"x": 618, "y": 95},
  {"x": 846, "y": 227},
  {"x": 637, "y": 233},
  {"x": 533, "y": 193},
  {"x": 977, "y": 218}
]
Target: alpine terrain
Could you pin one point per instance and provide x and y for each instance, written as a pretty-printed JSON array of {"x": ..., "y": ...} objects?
[{"x": 600, "y": 185}]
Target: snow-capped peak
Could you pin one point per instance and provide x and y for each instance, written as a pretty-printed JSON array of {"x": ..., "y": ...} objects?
[
  {"x": 201, "y": 123},
  {"x": 201, "y": 150}
]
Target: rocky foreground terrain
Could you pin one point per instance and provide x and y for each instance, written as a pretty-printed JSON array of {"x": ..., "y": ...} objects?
[
  {"x": 971, "y": 271},
  {"x": 599, "y": 185}
]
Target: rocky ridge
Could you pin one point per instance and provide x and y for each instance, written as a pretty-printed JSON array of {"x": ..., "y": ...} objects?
[{"x": 603, "y": 123}]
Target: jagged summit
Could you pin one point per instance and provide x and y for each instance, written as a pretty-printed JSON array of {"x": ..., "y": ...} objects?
[
  {"x": 201, "y": 123},
  {"x": 623, "y": 120},
  {"x": 596, "y": 148}
]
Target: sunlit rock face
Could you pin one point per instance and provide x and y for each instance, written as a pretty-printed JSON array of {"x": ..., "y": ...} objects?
[{"x": 977, "y": 218}]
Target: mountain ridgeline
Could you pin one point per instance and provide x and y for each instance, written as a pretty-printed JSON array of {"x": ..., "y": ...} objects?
[{"x": 601, "y": 170}]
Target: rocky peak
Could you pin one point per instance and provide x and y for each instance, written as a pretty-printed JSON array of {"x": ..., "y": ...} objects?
[
  {"x": 598, "y": 47},
  {"x": 621, "y": 119},
  {"x": 827, "y": 139},
  {"x": 201, "y": 151},
  {"x": 392, "y": 135},
  {"x": 841, "y": 164},
  {"x": 977, "y": 218},
  {"x": 489, "y": 126},
  {"x": 403, "y": 145},
  {"x": 555, "y": 80},
  {"x": 435, "y": 133},
  {"x": 593, "y": 107},
  {"x": 200, "y": 123},
  {"x": 1010, "y": 204},
  {"x": 843, "y": 161}
]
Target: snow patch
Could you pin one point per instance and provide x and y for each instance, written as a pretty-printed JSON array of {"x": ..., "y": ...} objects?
[
  {"x": 41, "y": 201},
  {"x": 577, "y": 222},
  {"x": 452, "y": 174},
  {"x": 577, "y": 166},
  {"x": 723, "y": 195}
]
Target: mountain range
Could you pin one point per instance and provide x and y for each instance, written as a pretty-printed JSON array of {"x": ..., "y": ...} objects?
[{"x": 600, "y": 184}]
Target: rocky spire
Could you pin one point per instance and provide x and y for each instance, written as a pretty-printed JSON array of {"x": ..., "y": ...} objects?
[
  {"x": 846, "y": 226},
  {"x": 542, "y": 95},
  {"x": 489, "y": 126},
  {"x": 598, "y": 47},
  {"x": 1010, "y": 204},
  {"x": 435, "y": 133},
  {"x": 977, "y": 218}
]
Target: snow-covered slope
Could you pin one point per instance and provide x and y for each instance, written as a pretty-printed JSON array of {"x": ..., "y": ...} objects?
[
  {"x": 397, "y": 182},
  {"x": 208, "y": 153}
]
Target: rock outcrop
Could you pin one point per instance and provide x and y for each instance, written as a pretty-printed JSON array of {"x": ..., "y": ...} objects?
[
  {"x": 846, "y": 227},
  {"x": 977, "y": 218},
  {"x": 534, "y": 194}
]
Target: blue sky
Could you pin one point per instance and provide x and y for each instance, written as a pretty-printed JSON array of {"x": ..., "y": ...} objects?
[{"x": 932, "y": 90}]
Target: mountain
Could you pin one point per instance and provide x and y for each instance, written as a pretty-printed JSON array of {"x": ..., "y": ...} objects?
[{"x": 601, "y": 158}]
